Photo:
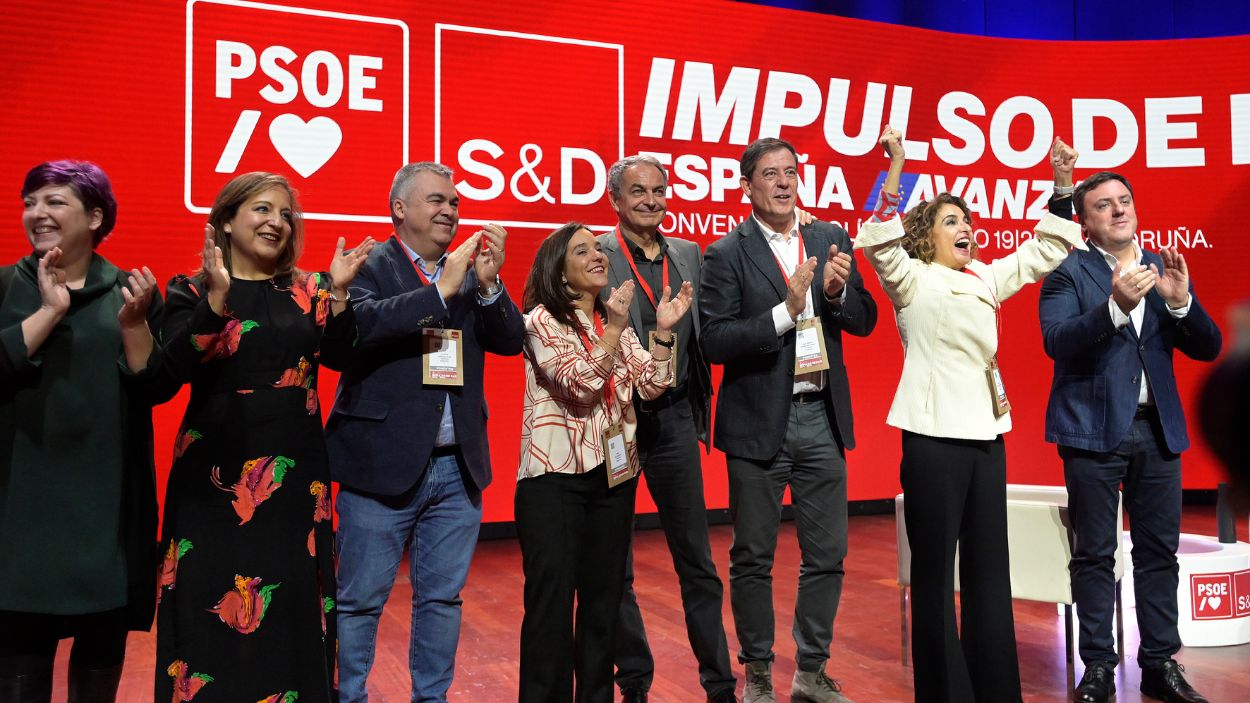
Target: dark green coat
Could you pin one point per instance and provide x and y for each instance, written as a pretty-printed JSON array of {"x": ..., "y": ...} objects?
[{"x": 77, "y": 481}]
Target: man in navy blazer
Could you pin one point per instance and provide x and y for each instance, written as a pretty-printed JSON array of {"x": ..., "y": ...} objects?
[
  {"x": 1111, "y": 317},
  {"x": 764, "y": 284},
  {"x": 412, "y": 458}
]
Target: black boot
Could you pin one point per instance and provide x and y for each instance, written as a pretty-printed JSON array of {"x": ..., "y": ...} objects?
[
  {"x": 26, "y": 688},
  {"x": 94, "y": 685}
]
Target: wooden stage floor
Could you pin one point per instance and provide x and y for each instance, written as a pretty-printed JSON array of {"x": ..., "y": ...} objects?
[{"x": 866, "y": 646}]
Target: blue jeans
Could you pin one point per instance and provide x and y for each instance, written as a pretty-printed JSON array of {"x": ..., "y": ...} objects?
[{"x": 439, "y": 517}]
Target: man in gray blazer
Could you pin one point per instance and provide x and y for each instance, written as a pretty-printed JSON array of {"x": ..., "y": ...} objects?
[
  {"x": 774, "y": 301},
  {"x": 669, "y": 430}
]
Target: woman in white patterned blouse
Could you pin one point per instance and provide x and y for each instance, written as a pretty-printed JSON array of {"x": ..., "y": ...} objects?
[{"x": 576, "y": 480}]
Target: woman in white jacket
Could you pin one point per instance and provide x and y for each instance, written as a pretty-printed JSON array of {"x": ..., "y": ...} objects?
[{"x": 953, "y": 410}]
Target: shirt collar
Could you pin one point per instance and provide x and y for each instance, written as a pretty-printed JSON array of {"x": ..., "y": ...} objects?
[
  {"x": 772, "y": 235},
  {"x": 637, "y": 252},
  {"x": 1110, "y": 259},
  {"x": 414, "y": 256}
]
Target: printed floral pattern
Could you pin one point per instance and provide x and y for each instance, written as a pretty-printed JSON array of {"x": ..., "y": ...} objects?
[
  {"x": 257, "y": 482},
  {"x": 244, "y": 607},
  {"x": 288, "y": 697},
  {"x": 307, "y": 292},
  {"x": 321, "y": 512},
  {"x": 169, "y": 568},
  {"x": 186, "y": 684},
  {"x": 184, "y": 440},
  {"x": 224, "y": 343}
]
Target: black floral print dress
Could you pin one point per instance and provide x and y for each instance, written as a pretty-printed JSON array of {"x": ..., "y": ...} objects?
[{"x": 246, "y": 589}]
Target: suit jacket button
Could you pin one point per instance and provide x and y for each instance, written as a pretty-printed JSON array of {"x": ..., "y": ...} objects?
[
  {"x": 1141, "y": 348},
  {"x": 440, "y": 405},
  {"x": 1135, "y": 378}
]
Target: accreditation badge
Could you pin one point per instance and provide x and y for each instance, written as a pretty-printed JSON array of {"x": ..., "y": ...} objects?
[
  {"x": 809, "y": 347},
  {"x": 651, "y": 345},
  {"x": 442, "y": 356},
  {"x": 997, "y": 391},
  {"x": 615, "y": 454}
]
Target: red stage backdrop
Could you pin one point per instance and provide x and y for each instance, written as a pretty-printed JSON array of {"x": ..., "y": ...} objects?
[{"x": 531, "y": 104}]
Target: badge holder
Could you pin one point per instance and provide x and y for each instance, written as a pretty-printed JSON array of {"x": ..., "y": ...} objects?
[
  {"x": 442, "y": 357},
  {"x": 809, "y": 347}
]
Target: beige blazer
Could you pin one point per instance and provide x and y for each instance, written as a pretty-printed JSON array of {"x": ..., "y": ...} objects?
[{"x": 947, "y": 323}]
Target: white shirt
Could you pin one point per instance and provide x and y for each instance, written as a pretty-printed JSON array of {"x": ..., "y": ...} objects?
[
  {"x": 1119, "y": 319},
  {"x": 785, "y": 248}
]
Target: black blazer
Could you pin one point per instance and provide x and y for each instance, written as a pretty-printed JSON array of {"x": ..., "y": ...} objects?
[
  {"x": 688, "y": 260},
  {"x": 381, "y": 430},
  {"x": 741, "y": 285}
]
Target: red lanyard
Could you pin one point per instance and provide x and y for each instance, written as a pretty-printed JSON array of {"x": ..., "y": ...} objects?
[
  {"x": 998, "y": 318},
  {"x": 420, "y": 274},
  {"x": 609, "y": 386},
  {"x": 629, "y": 256},
  {"x": 802, "y": 257}
]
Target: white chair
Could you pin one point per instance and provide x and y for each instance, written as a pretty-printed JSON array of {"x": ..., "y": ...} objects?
[{"x": 1039, "y": 540}]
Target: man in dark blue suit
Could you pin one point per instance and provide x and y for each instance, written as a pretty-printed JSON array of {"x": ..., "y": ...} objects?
[
  {"x": 1111, "y": 317},
  {"x": 407, "y": 434}
]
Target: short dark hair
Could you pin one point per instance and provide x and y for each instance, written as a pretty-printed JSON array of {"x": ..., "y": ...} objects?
[
  {"x": 1078, "y": 195},
  {"x": 88, "y": 181},
  {"x": 545, "y": 285},
  {"x": 918, "y": 227},
  {"x": 756, "y": 150}
]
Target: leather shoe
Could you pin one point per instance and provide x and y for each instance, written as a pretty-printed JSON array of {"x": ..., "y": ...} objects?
[
  {"x": 725, "y": 696},
  {"x": 1097, "y": 684},
  {"x": 633, "y": 695},
  {"x": 1167, "y": 683}
]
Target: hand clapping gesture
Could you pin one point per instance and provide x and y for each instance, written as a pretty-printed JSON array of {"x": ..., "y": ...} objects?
[
  {"x": 215, "y": 273},
  {"x": 796, "y": 291},
  {"x": 671, "y": 310},
  {"x": 138, "y": 296},
  {"x": 618, "y": 307},
  {"x": 53, "y": 292},
  {"x": 457, "y": 265},
  {"x": 837, "y": 272},
  {"x": 1173, "y": 283},
  {"x": 345, "y": 265},
  {"x": 490, "y": 259}
]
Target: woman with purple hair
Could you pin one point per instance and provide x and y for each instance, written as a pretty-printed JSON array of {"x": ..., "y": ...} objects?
[{"x": 79, "y": 374}]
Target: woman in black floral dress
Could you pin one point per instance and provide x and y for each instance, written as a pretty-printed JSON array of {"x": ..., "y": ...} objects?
[{"x": 246, "y": 607}]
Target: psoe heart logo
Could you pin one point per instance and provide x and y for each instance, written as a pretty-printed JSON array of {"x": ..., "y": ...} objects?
[
  {"x": 1212, "y": 596},
  {"x": 318, "y": 96}
]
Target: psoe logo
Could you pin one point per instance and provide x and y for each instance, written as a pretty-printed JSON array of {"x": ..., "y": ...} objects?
[
  {"x": 320, "y": 97},
  {"x": 1212, "y": 596}
]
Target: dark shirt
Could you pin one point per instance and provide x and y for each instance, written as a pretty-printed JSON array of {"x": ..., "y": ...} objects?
[{"x": 653, "y": 274}]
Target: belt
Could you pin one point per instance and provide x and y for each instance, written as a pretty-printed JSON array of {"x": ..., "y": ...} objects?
[
  {"x": 808, "y": 397},
  {"x": 444, "y": 450},
  {"x": 670, "y": 398},
  {"x": 1144, "y": 412}
]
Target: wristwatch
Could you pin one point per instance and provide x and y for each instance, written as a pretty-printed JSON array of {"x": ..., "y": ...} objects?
[{"x": 492, "y": 289}]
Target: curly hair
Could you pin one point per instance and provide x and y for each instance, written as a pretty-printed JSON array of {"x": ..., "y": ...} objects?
[{"x": 918, "y": 227}]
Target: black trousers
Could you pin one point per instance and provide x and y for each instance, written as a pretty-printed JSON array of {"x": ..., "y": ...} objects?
[
  {"x": 574, "y": 535},
  {"x": 1151, "y": 476},
  {"x": 955, "y": 494},
  {"x": 28, "y": 641},
  {"x": 669, "y": 452}
]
